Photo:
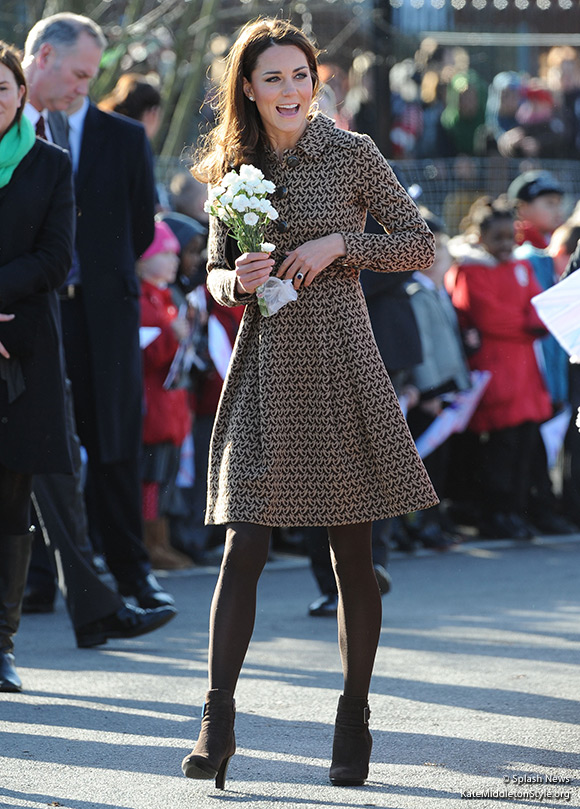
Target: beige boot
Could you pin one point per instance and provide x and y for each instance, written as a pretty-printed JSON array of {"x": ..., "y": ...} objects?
[{"x": 163, "y": 556}]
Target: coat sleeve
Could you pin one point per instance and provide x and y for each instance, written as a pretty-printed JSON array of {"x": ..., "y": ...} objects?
[
  {"x": 221, "y": 279},
  {"x": 407, "y": 243},
  {"x": 46, "y": 266},
  {"x": 160, "y": 352}
]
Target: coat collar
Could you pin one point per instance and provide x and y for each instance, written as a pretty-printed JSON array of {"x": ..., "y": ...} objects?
[{"x": 314, "y": 140}]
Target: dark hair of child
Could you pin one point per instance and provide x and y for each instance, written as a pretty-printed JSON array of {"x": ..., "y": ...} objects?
[{"x": 486, "y": 211}]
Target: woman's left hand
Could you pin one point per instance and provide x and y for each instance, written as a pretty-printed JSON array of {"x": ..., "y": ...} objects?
[
  {"x": 3, "y": 349},
  {"x": 304, "y": 263}
]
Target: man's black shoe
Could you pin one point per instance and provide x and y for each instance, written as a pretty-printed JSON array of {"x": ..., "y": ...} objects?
[
  {"x": 128, "y": 622},
  {"x": 36, "y": 600},
  {"x": 325, "y": 606},
  {"x": 148, "y": 593}
]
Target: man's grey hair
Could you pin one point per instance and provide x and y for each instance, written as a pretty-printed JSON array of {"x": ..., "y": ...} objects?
[{"x": 62, "y": 31}]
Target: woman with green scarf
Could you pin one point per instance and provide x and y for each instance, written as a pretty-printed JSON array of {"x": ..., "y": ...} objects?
[{"x": 36, "y": 239}]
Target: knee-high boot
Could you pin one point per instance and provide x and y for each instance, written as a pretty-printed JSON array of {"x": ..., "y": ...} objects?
[{"x": 14, "y": 560}]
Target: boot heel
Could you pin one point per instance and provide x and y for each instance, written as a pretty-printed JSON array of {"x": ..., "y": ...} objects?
[
  {"x": 220, "y": 779},
  {"x": 216, "y": 743}
]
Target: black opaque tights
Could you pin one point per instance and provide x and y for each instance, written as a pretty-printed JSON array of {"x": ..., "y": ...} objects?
[{"x": 233, "y": 608}]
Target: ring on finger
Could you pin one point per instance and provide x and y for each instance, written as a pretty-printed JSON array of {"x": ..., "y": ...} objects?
[{"x": 299, "y": 276}]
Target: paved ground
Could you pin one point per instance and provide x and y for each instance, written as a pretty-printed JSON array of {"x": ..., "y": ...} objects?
[{"x": 477, "y": 685}]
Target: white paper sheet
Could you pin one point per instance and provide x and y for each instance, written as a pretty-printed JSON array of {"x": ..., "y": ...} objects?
[
  {"x": 147, "y": 334},
  {"x": 553, "y": 433},
  {"x": 219, "y": 346},
  {"x": 456, "y": 417},
  {"x": 559, "y": 308}
]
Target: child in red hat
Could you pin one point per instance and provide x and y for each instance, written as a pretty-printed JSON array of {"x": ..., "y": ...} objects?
[{"x": 167, "y": 418}]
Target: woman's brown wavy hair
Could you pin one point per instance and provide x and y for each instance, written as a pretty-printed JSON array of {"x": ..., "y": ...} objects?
[{"x": 237, "y": 137}]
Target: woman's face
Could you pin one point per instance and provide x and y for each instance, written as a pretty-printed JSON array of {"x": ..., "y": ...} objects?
[
  {"x": 10, "y": 98},
  {"x": 281, "y": 86}
]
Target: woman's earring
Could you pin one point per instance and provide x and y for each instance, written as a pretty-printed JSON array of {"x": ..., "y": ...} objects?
[{"x": 251, "y": 98}]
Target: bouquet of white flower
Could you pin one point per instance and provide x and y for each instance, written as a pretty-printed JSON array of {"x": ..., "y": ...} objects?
[{"x": 240, "y": 201}]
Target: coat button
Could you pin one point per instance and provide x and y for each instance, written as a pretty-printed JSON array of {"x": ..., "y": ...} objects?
[
  {"x": 282, "y": 226},
  {"x": 4, "y": 419},
  {"x": 292, "y": 161},
  {"x": 281, "y": 192}
]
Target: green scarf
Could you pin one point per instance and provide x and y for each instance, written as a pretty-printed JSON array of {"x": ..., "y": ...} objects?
[{"x": 15, "y": 144}]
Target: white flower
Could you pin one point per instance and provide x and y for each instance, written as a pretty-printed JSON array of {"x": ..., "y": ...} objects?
[
  {"x": 215, "y": 192},
  {"x": 272, "y": 213},
  {"x": 240, "y": 202},
  {"x": 267, "y": 247},
  {"x": 269, "y": 187},
  {"x": 207, "y": 206},
  {"x": 248, "y": 172},
  {"x": 229, "y": 178},
  {"x": 251, "y": 218}
]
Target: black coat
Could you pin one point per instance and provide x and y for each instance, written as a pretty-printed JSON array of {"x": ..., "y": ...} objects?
[
  {"x": 391, "y": 314},
  {"x": 36, "y": 237},
  {"x": 115, "y": 225}
]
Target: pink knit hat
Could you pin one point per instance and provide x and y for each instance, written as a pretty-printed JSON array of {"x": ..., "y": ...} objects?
[{"x": 164, "y": 241}]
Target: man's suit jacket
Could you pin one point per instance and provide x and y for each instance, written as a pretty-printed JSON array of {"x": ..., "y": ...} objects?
[
  {"x": 58, "y": 124},
  {"x": 114, "y": 189}
]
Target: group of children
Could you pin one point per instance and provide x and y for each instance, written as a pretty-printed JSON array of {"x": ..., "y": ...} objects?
[{"x": 474, "y": 312}]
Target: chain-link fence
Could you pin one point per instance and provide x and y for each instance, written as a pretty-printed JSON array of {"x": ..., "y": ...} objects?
[{"x": 449, "y": 186}]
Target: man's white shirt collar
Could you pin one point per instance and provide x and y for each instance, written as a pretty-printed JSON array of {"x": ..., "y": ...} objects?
[{"x": 33, "y": 115}]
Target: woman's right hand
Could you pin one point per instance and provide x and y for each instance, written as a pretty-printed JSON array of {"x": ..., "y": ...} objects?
[
  {"x": 3, "y": 350},
  {"x": 252, "y": 270}
]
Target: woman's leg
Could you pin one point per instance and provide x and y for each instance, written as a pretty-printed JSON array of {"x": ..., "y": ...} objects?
[
  {"x": 359, "y": 626},
  {"x": 233, "y": 608},
  {"x": 359, "y": 604},
  {"x": 231, "y": 624},
  {"x": 15, "y": 545}
]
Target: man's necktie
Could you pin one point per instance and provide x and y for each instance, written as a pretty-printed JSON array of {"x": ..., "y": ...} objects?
[{"x": 41, "y": 128}]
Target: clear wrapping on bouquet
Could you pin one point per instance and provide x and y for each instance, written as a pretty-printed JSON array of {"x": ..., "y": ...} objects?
[{"x": 275, "y": 293}]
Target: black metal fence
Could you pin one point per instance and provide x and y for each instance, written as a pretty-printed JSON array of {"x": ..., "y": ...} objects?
[{"x": 449, "y": 186}]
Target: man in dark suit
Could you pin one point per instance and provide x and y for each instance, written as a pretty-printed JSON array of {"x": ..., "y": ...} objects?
[{"x": 100, "y": 304}]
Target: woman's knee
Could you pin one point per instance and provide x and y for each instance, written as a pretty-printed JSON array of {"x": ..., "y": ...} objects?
[
  {"x": 351, "y": 548},
  {"x": 246, "y": 548}
]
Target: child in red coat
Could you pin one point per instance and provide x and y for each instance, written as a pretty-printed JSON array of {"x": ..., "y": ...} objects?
[
  {"x": 492, "y": 293},
  {"x": 167, "y": 418}
]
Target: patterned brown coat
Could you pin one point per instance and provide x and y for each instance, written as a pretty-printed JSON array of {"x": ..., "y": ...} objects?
[{"x": 309, "y": 430}]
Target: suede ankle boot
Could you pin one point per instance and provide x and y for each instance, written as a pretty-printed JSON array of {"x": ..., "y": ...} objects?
[
  {"x": 351, "y": 750},
  {"x": 14, "y": 560},
  {"x": 162, "y": 554},
  {"x": 217, "y": 742}
]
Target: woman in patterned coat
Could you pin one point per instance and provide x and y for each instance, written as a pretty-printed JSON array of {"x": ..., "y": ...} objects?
[{"x": 308, "y": 430}]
